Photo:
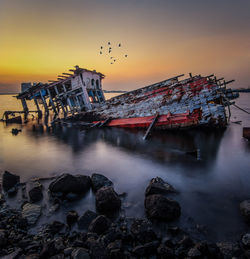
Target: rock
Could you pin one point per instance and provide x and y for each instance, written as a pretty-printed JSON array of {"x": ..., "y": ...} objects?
[
  {"x": 68, "y": 183},
  {"x": 9, "y": 180},
  {"x": 13, "y": 255},
  {"x": 98, "y": 181},
  {"x": 245, "y": 209},
  {"x": 2, "y": 199},
  {"x": 161, "y": 208},
  {"x": 158, "y": 186},
  {"x": 165, "y": 252},
  {"x": 117, "y": 244},
  {"x": 107, "y": 200},
  {"x": 3, "y": 239},
  {"x": 59, "y": 244},
  {"x": 146, "y": 249},
  {"x": 246, "y": 240},
  {"x": 72, "y": 217},
  {"x": 31, "y": 212},
  {"x": 80, "y": 253},
  {"x": 55, "y": 227},
  {"x": 139, "y": 250},
  {"x": 227, "y": 249},
  {"x": 35, "y": 191},
  {"x": 99, "y": 225},
  {"x": 68, "y": 251},
  {"x": 142, "y": 231},
  {"x": 97, "y": 250},
  {"x": 84, "y": 221},
  {"x": 194, "y": 253}
]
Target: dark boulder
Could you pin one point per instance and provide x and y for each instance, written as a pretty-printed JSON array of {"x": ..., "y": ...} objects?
[
  {"x": 142, "y": 231},
  {"x": 246, "y": 240},
  {"x": 72, "y": 217},
  {"x": 80, "y": 253},
  {"x": 165, "y": 252},
  {"x": 245, "y": 209},
  {"x": 84, "y": 221},
  {"x": 3, "y": 239},
  {"x": 98, "y": 181},
  {"x": 35, "y": 191},
  {"x": 107, "y": 200},
  {"x": 9, "y": 180},
  {"x": 68, "y": 183},
  {"x": 158, "y": 186},
  {"x": 99, "y": 225},
  {"x": 161, "y": 208}
]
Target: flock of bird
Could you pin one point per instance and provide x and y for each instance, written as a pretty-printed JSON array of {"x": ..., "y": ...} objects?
[{"x": 112, "y": 60}]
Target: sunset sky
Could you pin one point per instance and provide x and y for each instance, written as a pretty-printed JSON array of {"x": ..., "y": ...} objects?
[{"x": 40, "y": 39}]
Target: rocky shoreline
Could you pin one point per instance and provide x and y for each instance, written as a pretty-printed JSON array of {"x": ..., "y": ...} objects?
[{"x": 106, "y": 233}]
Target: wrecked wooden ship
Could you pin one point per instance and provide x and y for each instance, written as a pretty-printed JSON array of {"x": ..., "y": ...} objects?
[{"x": 197, "y": 101}]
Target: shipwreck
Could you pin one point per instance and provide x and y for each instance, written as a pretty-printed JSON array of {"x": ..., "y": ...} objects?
[{"x": 78, "y": 96}]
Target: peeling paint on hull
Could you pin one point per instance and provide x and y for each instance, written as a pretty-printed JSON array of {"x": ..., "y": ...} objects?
[{"x": 193, "y": 102}]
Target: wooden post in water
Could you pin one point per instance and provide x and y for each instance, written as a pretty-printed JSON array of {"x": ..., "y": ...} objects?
[
  {"x": 38, "y": 108},
  {"x": 44, "y": 103},
  {"x": 25, "y": 108},
  {"x": 52, "y": 102}
]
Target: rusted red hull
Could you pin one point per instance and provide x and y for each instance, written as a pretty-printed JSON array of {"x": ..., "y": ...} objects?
[{"x": 163, "y": 121}]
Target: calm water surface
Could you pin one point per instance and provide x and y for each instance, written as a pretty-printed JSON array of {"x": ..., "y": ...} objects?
[{"x": 210, "y": 187}]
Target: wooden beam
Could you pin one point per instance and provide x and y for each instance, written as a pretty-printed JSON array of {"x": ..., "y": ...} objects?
[
  {"x": 68, "y": 74},
  {"x": 52, "y": 81},
  {"x": 151, "y": 126}
]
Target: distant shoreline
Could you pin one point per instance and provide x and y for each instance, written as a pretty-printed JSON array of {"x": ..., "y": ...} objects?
[{"x": 7, "y": 93}]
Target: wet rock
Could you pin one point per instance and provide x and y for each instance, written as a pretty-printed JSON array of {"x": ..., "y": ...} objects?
[
  {"x": 99, "y": 225},
  {"x": 165, "y": 252},
  {"x": 117, "y": 244},
  {"x": 68, "y": 251},
  {"x": 97, "y": 250},
  {"x": 59, "y": 244},
  {"x": 3, "y": 239},
  {"x": 245, "y": 209},
  {"x": 9, "y": 180},
  {"x": 246, "y": 240},
  {"x": 161, "y": 208},
  {"x": 194, "y": 253},
  {"x": 84, "y": 221},
  {"x": 227, "y": 249},
  {"x": 35, "y": 191},
  {"x": 68, "y": 183},
  {"x": 48, "y": 250},
  {"x": 98, "y": 181},
  {"x": 31, "y": 212},
  {"x": 72, "y": 217},
  {"x": 107, "y": 200},
  {"x": 80, "y": 253},
  {"x": 2, "y": 199},
  {"x": 158, "y": 186},
  {"x": 142, "y": 230},
  {"x": 13, "y": 255},
  {"x": 55, "y": 227}
]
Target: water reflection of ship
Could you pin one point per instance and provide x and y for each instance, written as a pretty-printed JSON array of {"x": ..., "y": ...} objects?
[
  {"x": 180, "y": 146},
  {"x": 171, "y": 147}
]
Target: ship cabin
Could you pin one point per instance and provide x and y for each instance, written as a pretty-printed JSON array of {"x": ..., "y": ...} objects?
[{"x": 76, "y": 91}]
